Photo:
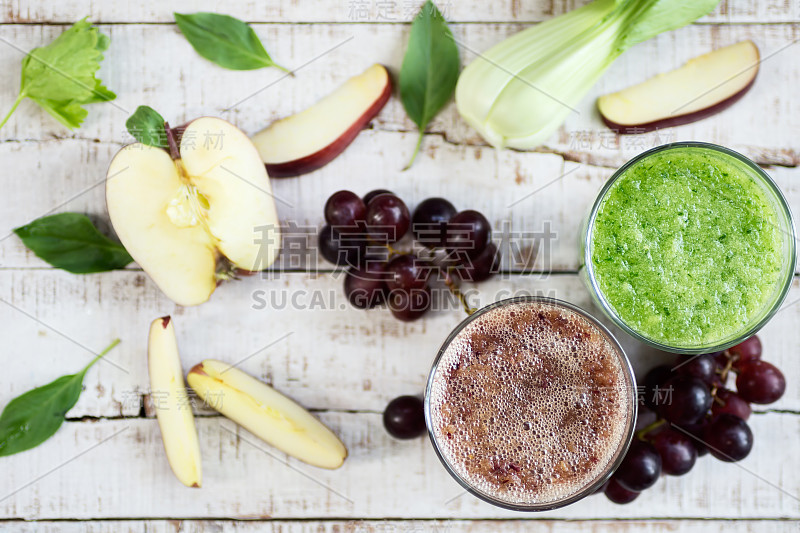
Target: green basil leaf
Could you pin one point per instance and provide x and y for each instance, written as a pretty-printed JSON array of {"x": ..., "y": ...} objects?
[
  {"x": 45, "y": 406},
  {"x": 430, "y": 68},
  {"x": 147, "y": 126},
  {"x": 71, "y": 242},
  {"x": 33, "y": 417},
  {"x": 225, "y": 40}
]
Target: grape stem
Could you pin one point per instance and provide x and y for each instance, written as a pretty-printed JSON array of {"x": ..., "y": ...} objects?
[
  {"x": 723, "y": 376},
  {"x": 451, "y": 285},
  {"x": 394, "y": 251},
  {"x": 648, "y": 428}
]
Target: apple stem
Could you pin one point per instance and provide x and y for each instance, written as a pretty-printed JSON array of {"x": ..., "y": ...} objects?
[
  {"x": 416, "y": 151},
  {"x": 13, "y": 108},
  {"x": 101, "y": 354},
  {"x": 172, "y": 142}
]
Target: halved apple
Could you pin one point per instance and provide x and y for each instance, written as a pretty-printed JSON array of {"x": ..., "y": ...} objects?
[
  {"x": 705, "y": 85},
  {"x": 173, "y": 410},
  {"x": 266, "y": 413},
  {"x": 310, "y": 139},
  {"x": 193, "y": 215}
]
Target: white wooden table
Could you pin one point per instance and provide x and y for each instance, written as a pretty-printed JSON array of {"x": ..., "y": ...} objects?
[{"x": 106, "y": 464}]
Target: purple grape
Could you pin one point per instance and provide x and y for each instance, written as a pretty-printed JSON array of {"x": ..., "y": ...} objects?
[
  {"x": 404, "y": 417},
  {"x": 407, "y": 272},
  {"x": 344, "y": 209},
  {"x": 409, "y": 305},
  {"x": 429, "y": 222},
  {"x": 653, "y": 385},
  {"x": 619, "y": 494},
  {"x": 703, "y": 367},
  {"x": 342, "y": 249},
  {"x": 387, "y": 218},
  {"x": 602, "y": 488},
  {"x": 729, "y": 402},
  {"x": 760, "y": 382},
  {"x": 728, "y": 438},
  {"x": 746, "y": 351},
  {"x": 640, "y": 468},
  {"x": 695, "y": 434},
  {"x": 468, "y": 233},
  {"x": 677, "y": 452},
  {"x": 365, "y": 286},
  {"x": 481, "y": 267},
  {"x": 372, "y": 194},
  {"x": 686, "y": 400}
]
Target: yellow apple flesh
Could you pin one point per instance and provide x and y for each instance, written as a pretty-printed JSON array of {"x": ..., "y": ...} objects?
[
  {"x": 705, "y": 85},
  {"x": 266, "y": 413},
  {"x": 184, "y": 219},
  {"x": 173, "y": 410},
  {"x": 310, "y": 139}
]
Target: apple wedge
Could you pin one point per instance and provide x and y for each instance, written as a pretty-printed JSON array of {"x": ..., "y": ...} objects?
[
  {"x": 173, "y": 410},
  {"x": 266, "y": 413},
  {"x": 197, "y": 213},
  {"x": 310, "y": 139},
  {"x": 705, "y": 85}
]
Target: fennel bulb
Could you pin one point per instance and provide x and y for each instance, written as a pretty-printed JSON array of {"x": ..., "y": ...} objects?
[{"x": 522, "y": 89}]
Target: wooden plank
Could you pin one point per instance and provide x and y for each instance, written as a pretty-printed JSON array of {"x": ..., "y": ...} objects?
[
  {"x": 122, "y": 472},
  {"x": 542, "y": 226},
  {"x": 335, "y": 357},
  {"x": 370, "y": 11},
  {"x": 399, "y": 526},
  {"x": 478, "y": 177},
  {"x": 345, "y": 360},
  {"x": 183, "y": 86},
  {"x": 535, "y": 201}
]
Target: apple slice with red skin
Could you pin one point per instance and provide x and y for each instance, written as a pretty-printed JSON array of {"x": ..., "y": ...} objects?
[
  {"x": 705, "y": 85},
  {"x": 309, "y": 140}
]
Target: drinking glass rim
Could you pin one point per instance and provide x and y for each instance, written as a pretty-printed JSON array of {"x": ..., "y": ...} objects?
[
  {"x": 782, "y": 205},
  {"x": 627, "y": 369}
]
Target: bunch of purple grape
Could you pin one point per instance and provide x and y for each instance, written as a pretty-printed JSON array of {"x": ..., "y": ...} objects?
[
  {"x": 359, "y": 234},
  {"x": 696, "y": 415}
]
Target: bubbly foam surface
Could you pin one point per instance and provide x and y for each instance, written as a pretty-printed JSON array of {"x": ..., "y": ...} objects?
[{"x": 530, "y": 404}]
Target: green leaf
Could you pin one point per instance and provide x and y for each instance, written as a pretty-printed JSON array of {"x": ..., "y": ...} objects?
[
  {"x": 71, "y": 242},
  {"x": 225, "y": 40},
  {"x": 69, "y": 112},
  {"x": 649, "y": 18},
  {"x": 33, "y": 417},
  {"x": 61, "y": 77},
  {"x": 147, "y": 126},
  {"x": 430, "y": 68}
]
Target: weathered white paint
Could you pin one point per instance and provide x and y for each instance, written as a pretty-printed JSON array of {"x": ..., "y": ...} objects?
[
  {"x": 371, "y": 11},
  {"x": 760, "y": 125},
  {"x": 397, "y": 526},
  {"x": 128, "y": 476},
  {"x": 526, "y": 196},
  {"x": 347, "y": 364},
  {"x": 335, "y": 357},
  {"x": 182, "y": 85}
]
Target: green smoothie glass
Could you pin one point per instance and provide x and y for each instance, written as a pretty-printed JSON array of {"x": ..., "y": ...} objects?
[{"x": 689, "y": 247}]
